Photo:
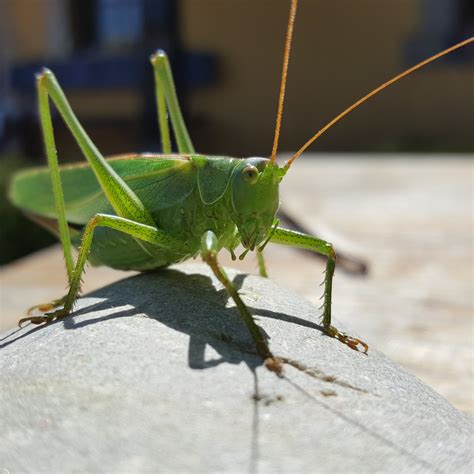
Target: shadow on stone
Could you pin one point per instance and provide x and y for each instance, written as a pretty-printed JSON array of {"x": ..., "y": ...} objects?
[
  {"x": 188, "y": 303},
  {"x": 112, "y": 388},
  {"x": 179, "y": 300}
]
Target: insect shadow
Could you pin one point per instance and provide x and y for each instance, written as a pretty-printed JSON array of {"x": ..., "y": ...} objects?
[{"x": 188, "y": 303}]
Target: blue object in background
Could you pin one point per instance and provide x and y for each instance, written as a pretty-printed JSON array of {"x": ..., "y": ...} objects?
[
  {"x": 113, "y": 41},
  {"x": 119, "y": 22}
]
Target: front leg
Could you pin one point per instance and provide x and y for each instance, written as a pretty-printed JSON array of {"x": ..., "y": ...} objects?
[
  {"x": 304, "y": 241},
  {"x": 209, "y": 251},
  {"x": 262, "y": 267}
]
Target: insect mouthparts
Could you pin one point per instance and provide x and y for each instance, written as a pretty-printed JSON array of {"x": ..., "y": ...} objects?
[{"x": 244, "y": 253}]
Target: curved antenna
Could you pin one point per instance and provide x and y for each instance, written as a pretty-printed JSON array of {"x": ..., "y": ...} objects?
[
  {"x": 284, "y": 73},
  {"x": 374, "y": 92}
]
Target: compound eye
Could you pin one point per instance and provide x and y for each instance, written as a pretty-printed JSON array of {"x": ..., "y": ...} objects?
[{"x": 250, "y": 174}]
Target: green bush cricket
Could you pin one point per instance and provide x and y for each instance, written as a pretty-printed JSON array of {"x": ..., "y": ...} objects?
[{"x": 147, "y": 211}]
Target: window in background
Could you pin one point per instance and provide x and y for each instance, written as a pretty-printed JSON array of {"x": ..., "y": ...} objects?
[{"x": 442, "y": 24}]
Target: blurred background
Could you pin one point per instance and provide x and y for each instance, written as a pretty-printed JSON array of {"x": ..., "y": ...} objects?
[{"x": 226, "y": 57}]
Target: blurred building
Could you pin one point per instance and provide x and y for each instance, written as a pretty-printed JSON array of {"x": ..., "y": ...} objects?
[{"x": 227, "y": 59}]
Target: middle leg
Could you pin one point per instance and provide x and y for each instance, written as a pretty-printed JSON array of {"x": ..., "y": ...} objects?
[{"x": 135, "y": 229}]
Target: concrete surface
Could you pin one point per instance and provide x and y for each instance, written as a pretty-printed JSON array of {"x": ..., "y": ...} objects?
[{"x": 156, "y": 373}]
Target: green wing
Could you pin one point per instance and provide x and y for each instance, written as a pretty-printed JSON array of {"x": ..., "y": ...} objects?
[{"x": 159, "y": 182}]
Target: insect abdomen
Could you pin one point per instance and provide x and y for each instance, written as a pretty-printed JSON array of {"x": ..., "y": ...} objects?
[{"x": 186, "y": 222}]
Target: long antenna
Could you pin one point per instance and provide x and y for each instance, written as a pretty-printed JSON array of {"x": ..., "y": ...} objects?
[
  {"x": 284, "y": 73},
  {"x": 374, "y": 92}
]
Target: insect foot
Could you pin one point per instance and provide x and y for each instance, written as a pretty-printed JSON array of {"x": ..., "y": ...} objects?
[
  {"x": 273, "y": 364},
  {"x": 350, "y": 341},
  {"x": 47, "y": 307},
  {"x": 47, "y": 318},
  {"x": 33, "y": 320}
]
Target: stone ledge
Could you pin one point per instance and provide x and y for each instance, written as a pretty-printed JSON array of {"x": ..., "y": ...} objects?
[{"x": 156, "y": 372}]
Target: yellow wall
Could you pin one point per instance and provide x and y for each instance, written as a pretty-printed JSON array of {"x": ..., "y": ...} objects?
[
  {"x": 27, "y": 28},
  {"x": 342, "y": 49},
  {"x": 36, "y": 28}
]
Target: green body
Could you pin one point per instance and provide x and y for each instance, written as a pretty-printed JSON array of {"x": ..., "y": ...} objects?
[{"x": 185, "y": 195}]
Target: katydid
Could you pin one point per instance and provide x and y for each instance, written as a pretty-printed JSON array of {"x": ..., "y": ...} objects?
[{"x": 147, "y": 211}]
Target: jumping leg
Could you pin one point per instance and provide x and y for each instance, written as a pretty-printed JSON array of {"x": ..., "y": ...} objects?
[
  {"x": 166, "y": 90},
  {"x": 121, "y": 197},
  {"x": 124, "y": 201}
]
